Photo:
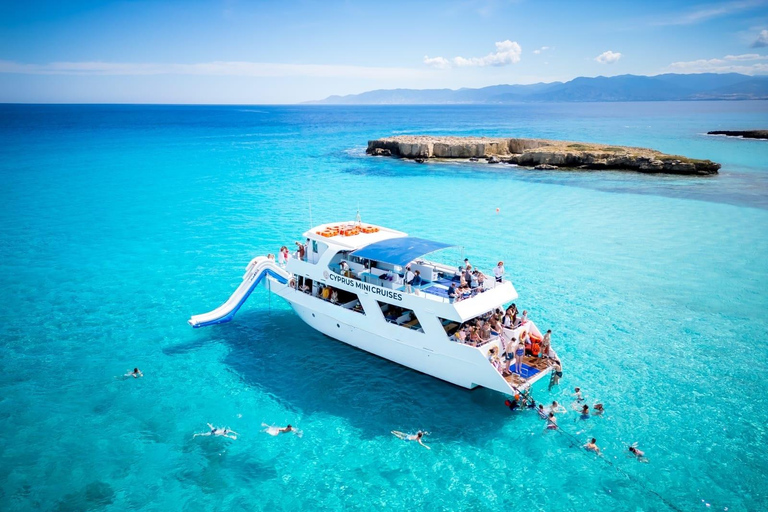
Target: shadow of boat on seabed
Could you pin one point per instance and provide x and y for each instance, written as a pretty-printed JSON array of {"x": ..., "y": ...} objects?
[{"x": 311, "y": 373}]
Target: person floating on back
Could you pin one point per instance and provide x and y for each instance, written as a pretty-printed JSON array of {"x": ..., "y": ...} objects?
[
  {"x": 215, "y": 431},
  {"x": 639, "y": 454}
]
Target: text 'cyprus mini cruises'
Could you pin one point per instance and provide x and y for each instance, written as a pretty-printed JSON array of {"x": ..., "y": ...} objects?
[{"x": 371, "y": 287}]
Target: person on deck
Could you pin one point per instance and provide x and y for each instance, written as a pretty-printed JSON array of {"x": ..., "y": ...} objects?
[
  {"x": 409, "y": 276},
  {"x": 498, "y": 272},
  {"x": 546, "y": 342},
  {"x": 300, "y": 251},
  {"x": 417, "y": 280},
  {"x": 452, "y": 293}
]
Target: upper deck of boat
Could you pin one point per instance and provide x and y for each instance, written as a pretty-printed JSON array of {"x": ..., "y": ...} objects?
[{"x": 351, "y": 235}]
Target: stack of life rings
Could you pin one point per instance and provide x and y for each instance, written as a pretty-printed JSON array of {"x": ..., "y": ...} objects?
[{"x": 350, "y": 230}]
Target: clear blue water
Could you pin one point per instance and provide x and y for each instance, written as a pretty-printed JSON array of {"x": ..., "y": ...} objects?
[{"x": 119, "y": 222}]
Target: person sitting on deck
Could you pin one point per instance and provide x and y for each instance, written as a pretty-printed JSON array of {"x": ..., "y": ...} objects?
[
  {"x": 495, "y": 326},
  {"x": 474, "y": 337},
  {"x": 344, "y": 267},
  {"x": 524, "y": 318},
  {"x": 452, "y": 293},
  {"x": 485, "y": 331},
  {"x": 334, "y": 297},
  {"x": 460, "y": 335}
]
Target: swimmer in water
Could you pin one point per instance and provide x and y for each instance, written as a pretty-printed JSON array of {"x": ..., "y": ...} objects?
[
  {"x": 276, "y": 431},
  {"x": 223, "y": 432},
  {"x": 542, "y": 412},
  {"x": 556, "y": 407},
  {"x": 136, "y": 373},
  {"x": 418, "y": 436},
  {"x": 577, "y": 395},
  {"x": 513, "y": 405},
  {"x": 639, "y": 454},
  {"x": 551, "y": 422},
  {"x": 598, "y": 409},
  {"x": 585, "y": 412},
  {"x": 592, "y": 446}
]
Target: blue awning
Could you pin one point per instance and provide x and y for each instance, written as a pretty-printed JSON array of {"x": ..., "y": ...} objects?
[{"x": 399, "y": 251}]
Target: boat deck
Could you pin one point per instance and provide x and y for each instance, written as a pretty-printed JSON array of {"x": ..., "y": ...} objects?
[{"x": 532, "y": 368}]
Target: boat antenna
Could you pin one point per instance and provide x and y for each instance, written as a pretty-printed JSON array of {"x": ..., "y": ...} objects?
[
  {"x": 357, "y": 217},
  {"x": 310, "y": 213}
]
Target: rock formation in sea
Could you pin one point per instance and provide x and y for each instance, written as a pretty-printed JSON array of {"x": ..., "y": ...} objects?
[
  {"x": 747, "y": 134},
  {"x": 539, "y": 154}
]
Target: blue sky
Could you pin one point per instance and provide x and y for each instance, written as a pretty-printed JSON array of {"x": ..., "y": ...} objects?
[{"x": 234, "y": 51}]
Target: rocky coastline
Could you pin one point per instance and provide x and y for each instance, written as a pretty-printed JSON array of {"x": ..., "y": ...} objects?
[
  {"x": 744, "y": 134},
  {"x": 539, "y": 154}
]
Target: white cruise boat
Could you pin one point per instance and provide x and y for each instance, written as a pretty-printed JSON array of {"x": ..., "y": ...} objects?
[{"x": 347, "y": 281}]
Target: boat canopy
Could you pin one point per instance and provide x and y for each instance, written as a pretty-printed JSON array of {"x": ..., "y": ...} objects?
[{"x": 399, "y": 251}]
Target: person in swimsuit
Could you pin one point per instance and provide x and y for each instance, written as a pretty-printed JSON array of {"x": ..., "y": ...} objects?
[
  {"x": 585, "y": 412},
  {"x": 223, "y": 432},
  {"x": 577, "y": 395},
  {"x": 556, "y": 408},
  {"x": 276, "y": 431},
  {"x": 542, "y": 412},
  {"x": 519, "y": 353},
  {"x": 418, "y": 436},
  {"x": 551, "y": 422},
  {"x": 136, "y": 373},
  {"x": 639, "y": 454},
  {"x": 592, "y": 446},
  {"x": 513, "y": 405},
  {"x": 597, "y": 410}
]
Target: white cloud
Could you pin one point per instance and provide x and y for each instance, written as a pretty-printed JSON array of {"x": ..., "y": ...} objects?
[
  {"x": 608, "y": 57},
  {"x": 217, "y": 68},
  {"x": 727, "y": 64},
  {"x": 507, "y": 52},
  {"x": 542, "y": 49},
  {"x": 708, "y": 12},
  {"x": 762, "y": 39},
  {"x": 437, "y": 62}
]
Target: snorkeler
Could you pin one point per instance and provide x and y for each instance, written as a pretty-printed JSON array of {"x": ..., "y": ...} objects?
[
  {"x": 556, "y": 407},
  {"x": 223, "y": 432},
  {"x": 639, "y": 454},
  {"x": 592, "y": 446},
  {"x": 136, "y": 373},
  {"x": 418, "y": 436},
  {"x": 276, "y": 431}
]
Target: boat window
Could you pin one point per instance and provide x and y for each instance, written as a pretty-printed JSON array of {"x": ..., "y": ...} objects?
[
  {"x": 342, "y": 298},
  {"x": 450, "y": 326},
  {"x": 401, "y": 316}
]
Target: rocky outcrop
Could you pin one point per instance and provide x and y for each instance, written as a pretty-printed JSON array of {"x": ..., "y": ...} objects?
[
  {"x": 540, "y": 154},
  {"x": 746, "y": 134}
]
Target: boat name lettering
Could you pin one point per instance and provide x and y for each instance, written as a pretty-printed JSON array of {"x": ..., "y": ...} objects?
[{"x": 353, "y": 283}]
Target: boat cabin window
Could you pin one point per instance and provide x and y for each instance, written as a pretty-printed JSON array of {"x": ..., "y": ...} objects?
[
  {"x": 401, "y": 316},
  {"x": 342, "y": 298},
  {"x": 304, "y": 284},
  {"x": 450, "y": 326}
]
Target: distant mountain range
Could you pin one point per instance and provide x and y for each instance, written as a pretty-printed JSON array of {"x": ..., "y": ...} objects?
[{"x": 669, "y": 87}]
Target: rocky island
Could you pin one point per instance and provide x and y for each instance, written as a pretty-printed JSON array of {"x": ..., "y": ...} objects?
[
  {"x": 539, "y": 154},
  {"x": 746, "y": 134}
]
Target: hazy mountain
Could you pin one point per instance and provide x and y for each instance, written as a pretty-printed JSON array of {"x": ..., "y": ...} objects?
[{"x": 668, "y": 87}]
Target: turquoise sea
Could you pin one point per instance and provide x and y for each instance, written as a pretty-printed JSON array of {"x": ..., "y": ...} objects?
[{"x": 119, "y": 222}]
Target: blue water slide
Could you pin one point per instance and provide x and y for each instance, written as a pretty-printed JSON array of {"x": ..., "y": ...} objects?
[{"x": 256, "y": 272}]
